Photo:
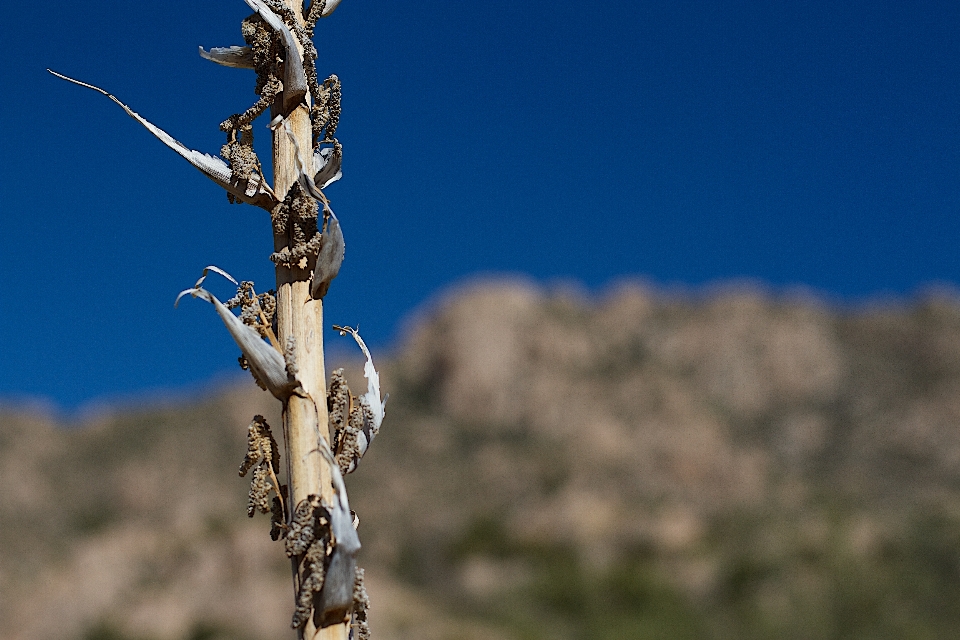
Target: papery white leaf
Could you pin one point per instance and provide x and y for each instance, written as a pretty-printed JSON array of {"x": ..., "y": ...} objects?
[
  {"x": 372, "y": 396},
  {"x": 236, "y": 57},
  {"x": 329, "y": 259},
  {"x": 336, "y": 597},
  {"x": 327, "y": 165},
  {"x": 266, "y": 362},
  {"x": 207, "y": 269},
  {"x": 252, "y": 191},
  {"x": 329, "y": 7}
]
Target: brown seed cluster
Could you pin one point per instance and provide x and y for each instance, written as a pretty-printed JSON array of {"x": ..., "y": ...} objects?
[
  {"x": 297, "y": 215},
  {"x": 361, "y": 602},
  {"x": 351, "y": 422},
  {"x": 309, "y": 540},
  {"x": 263, "y": 456}
]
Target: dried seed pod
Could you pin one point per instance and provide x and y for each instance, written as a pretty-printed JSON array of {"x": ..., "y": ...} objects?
[
  {"x": 338, "y": 402},
  {"x": 294, "y": 78},
  {"x": 326, "y": 109},
  {"x": 361, "y": 602},
  {"x": 259, "y": 497},
  {"x": 263, "y": 457},
  {"x": 314, "y": 575},
  {"x": 348, "y": 449},
  {"x": 302, "y": 530},
  {"x": 261, "y": 446}
]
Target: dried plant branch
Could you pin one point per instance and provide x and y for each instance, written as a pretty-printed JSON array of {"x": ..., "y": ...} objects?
[{"x": 310, "y": 512}]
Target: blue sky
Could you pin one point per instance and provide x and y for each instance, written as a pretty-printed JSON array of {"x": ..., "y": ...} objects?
[{"x": 813, "y": 144}]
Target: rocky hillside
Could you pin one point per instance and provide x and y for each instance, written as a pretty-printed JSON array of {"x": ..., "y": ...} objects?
[{"x": 730, "y": 464}]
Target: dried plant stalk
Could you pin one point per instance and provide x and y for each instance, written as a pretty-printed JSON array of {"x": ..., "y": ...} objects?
[
  {"x": 301, "y": 317},
  {"x": 291, "y": 364}
]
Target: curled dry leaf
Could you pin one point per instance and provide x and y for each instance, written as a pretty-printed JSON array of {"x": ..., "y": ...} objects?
[
  {"x": 329, "y": 258},
  {"x": 332, "y": 605},
  {"x": 329, "y": 7},
  {"x": 236, "y": 57},
  {"x": 253, "y": 191},
  {"x": 327, "y": 165},
  {"x": 372, "y": 396},
  {"x": 266, "y": 362}
]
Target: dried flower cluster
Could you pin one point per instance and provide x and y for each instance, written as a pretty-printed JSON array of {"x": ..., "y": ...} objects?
[
  {"x": 308, "y": 540},
  {"x": 296, "y": 216},
  {"x": 263, "y": 456},
  {"x": 257, "y": 311},
  {"x": 361, "y": 602},
  {"x": 351, "y": 423}
]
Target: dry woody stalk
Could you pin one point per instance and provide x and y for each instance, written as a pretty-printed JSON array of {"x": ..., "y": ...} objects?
[{"x": 279, "y": 332}]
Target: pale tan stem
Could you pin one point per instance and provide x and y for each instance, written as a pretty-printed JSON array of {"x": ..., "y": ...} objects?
[{"x": 299, "y": 316}]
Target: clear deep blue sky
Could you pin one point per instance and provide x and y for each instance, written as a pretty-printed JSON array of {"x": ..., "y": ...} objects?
[{"x": 798, "y": 143}]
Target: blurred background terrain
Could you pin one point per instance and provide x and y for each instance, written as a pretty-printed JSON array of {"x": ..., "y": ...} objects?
[{"x": 645, "y": 463}]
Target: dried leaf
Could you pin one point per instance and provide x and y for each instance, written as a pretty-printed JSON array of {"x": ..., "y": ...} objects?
[
  {"x": 327, "y": 164},
  {"x": 372, "y": 396},
  {"x": 267, "y": 364},
  {"x": 329, "y": 7},
  {"x": 332, "y": 605},
  {"x": 329, "y": 258},
  {"x": 252, "y": 191},
  {"x": 236, "y": 57}
]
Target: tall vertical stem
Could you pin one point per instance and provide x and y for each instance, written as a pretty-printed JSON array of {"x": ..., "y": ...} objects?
[{"x": 301, "y": 317}]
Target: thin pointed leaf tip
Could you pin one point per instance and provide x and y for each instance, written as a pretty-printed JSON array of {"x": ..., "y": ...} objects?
[{"x": 253, "y": 191}]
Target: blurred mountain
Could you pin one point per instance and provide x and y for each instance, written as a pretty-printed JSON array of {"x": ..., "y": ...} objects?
[{"x": 647, "y": 464}]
